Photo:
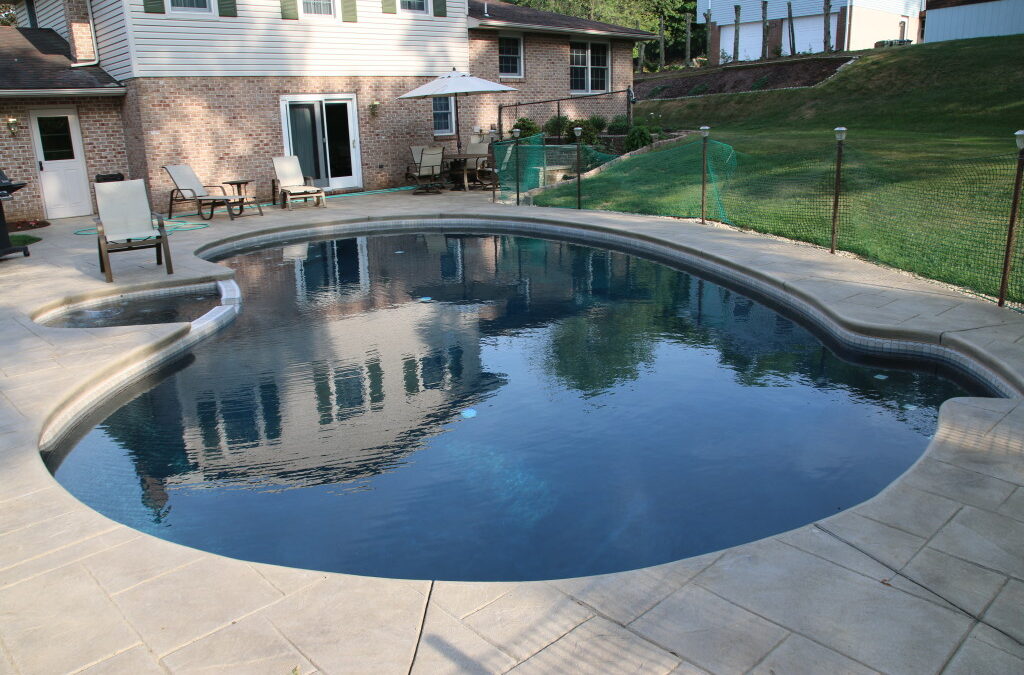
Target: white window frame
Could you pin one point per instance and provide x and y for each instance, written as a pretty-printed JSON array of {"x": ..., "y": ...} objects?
[
  {"x": 451, "y": 117},
  {"x": 319, "y": 17},
  {"x": 522, "y": 57},
  {"x": 426, "y": 11},
  {"x": 608, "y": 68},
  {"x": 192, "y": 11}
]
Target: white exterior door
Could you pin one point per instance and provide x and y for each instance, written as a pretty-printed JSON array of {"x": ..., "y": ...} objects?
[
  {"x": 323, "y": 132},
  {"x": 61, "y": 162}
]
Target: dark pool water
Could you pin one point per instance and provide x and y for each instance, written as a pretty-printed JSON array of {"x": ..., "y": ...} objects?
[
  {"x": 489, "y": 407},
  {"x": 137, "y": 311}
]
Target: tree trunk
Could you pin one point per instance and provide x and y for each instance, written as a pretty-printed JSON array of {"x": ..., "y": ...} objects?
[
  {"x": 641, "y": 48},
  {"x": 827, "y": 8},
  {"x": 792, "y": 30},
  {"x": 736, "y": 36},
  {"x": 689, "y": 26},
  {"x": 661, "y": 42},
  {"x": 764, "y": 30}
]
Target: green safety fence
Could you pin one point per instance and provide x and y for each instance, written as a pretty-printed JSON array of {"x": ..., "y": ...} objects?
[
  {"x": 539, "y": 164},
  {"x": 945, "y": 220}
]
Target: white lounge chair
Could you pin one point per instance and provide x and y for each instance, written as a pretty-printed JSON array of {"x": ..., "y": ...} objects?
[
  {"x": 125, "y": 223},
  {"x": 291, "y": 184},
  {"x": 188, "y": 188}
]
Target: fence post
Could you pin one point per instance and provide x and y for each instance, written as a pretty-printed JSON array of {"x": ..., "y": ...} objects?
[
  {"x": 840, "y": 138},
  {"x": 704, "y": 132},
  {"x": 579, "y": 177},
  {"x": 501, "y": 127},
  {"x": 515, "y": 134},
  {"x": 1014, "y": 211}
]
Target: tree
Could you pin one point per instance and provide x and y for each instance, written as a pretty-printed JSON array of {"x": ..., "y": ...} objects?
[{"x": 7, "y": 15}]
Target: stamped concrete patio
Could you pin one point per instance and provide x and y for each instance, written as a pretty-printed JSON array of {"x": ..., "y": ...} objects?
[{"x": 926, "y": 577}]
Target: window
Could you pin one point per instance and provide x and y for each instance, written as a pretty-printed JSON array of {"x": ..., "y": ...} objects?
[
  {"x": 414, "y": 5},
  {"x": 318, "y": 7},
  {"x": 443, "y": 116},
  {"x": 510, "y": 57},
  {"x": 588, "y": 66},
  {"x": 190, "y": 5}
]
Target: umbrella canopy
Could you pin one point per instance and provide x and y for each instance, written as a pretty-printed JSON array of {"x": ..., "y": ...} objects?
[{"x": 454, "y": 84}]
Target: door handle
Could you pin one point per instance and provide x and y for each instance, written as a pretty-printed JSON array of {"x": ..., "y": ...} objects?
[{"x": 40, "y": 166}]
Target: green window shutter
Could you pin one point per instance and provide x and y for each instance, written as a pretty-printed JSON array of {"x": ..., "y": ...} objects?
[
  {"x": 389, "y": 6},
  {"x": 227, "y": 7},
  {"x": 348, "y": 10},
  {"x": 440, "y": 7},
  {"x": 289, "y": 9},
  {"x": 153, "y": 6}
]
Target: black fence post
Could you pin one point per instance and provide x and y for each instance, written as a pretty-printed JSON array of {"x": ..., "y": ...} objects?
[
  {"x": 579, "y": 177},
  {"x": 515, "y": 133},
  {"x": 705, "y": 131},
  {"x": 1011, "y": 230},
  {"x": 840, "y": 138}
]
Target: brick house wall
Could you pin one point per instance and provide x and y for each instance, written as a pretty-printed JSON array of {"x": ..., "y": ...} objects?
[{"x": 102, "y": 140}]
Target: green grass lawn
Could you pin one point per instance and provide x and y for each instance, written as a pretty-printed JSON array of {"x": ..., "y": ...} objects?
[
  {"x": 928, "y": 169},
  {"x": 23, "y": 239}
]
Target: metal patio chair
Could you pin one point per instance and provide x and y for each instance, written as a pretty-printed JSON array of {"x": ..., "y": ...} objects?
[
  {"x": 126, "y": 223},
  {"x": 188, "y": 188},
  {"x": 427, "y": 174}
]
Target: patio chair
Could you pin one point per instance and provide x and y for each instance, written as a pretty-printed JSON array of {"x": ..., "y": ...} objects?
[
  {"x": 428, "y": 174},
  {"x": 291, "y": 184},
  {"x": 126, "y": 223},
  {"x": 188, "y": 188}
]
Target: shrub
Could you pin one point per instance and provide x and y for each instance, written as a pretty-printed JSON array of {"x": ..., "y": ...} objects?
[
  {"x": 589, "y": 135},
  {"x": 657, "y": 90},
  {"x": 599, "y": 123},
  {"x": 638, "y": 137},
  {"x": 619, "y": 125},
  {"x": 759, "y": 83},
  {"x": 526, "y": 126},
  {"x": 558, "y": 126},
  {"x": 698, "y": 89}
]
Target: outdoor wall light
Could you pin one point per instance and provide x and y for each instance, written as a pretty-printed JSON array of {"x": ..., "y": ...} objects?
[
  {"x": 705, "y": 131},
  {"x": 578, "y": 131},
  {"x": 1019, "y": 135},
  {"x": 374, "y": 108},
  {"x": 840, "y": 133},
  {"x": 12, "y": 126}
]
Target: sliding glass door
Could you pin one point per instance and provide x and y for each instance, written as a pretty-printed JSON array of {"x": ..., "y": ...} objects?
[{"x": 323, "y": 132}]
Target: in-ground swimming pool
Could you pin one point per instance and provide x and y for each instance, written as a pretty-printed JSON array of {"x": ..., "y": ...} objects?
[{"x": 483, "y": 407}]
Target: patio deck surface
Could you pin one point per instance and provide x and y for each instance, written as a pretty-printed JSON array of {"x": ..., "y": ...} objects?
[{"x": 926, "y": 577}]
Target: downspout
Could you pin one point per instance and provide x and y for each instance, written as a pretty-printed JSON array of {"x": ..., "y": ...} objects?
[
  {"x": 849, "y": 19},
  {"x": 92, "y": 36}
]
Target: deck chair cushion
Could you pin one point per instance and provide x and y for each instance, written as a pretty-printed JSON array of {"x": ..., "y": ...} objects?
[
  {"x": 124, "y": 210},
  {"x": 289, "y": 172},
  {"x": 185, "y": 179}
]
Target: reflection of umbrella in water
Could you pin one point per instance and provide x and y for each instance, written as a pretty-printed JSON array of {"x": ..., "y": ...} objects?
[{"x": 453, "y": 84}]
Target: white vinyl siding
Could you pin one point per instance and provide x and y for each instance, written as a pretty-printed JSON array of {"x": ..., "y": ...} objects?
[
  {"x": 808, "y": 31},
  {"x": 260, "y": 43},
  {"x": 112, "y": 38},
  {"x": 50, "y": 14},
  {"x": 722, "y": 11},
  {"x": 21, "y": 15},
  {"x": 1004, "y": 17}
]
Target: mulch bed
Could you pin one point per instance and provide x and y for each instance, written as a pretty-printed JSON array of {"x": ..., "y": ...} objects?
[
  {"x": 802, "y": 72},
  {"x": 22, "y": 225}
]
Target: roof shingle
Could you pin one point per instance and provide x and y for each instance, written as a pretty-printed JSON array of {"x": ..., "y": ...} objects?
[{"x": 39, "y": 58}]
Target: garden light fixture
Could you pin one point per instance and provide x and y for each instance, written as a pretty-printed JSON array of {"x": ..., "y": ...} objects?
[
  {"x": 578, "y": 131},
  {"x": 1019, "y": 135},
  {"x": 840, "y": 133},
  {"x": 705, "y": 131}
]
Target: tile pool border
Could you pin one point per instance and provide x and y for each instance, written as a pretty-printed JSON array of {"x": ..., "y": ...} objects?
[{"x": 809, "y": 596}]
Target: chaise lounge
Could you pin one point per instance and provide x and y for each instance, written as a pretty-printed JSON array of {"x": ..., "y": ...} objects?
[
  {"x": 188, "y": 188},
  {"x": 125, "y": 223}
]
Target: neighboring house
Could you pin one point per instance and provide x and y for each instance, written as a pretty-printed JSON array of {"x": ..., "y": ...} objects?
[
  {"x": 127, "y": 86},
  {"x": 958, "y": 19},
  {"x": 853, "y": 24}
]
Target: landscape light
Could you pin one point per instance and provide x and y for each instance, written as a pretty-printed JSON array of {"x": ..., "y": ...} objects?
[
  {"x": 516, "y": 132},
  {"x": 1019, "y": 135},
  {"x": 579, "y": 131},
  {"x": 840, "y": 133},
  {"x": 705, "y": 131}
]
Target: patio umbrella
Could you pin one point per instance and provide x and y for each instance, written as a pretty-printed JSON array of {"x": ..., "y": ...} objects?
[{"x": 454, "y": 84}]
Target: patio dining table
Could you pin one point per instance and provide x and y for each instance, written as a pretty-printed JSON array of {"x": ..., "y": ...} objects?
[{"x": 463, "y": 167}]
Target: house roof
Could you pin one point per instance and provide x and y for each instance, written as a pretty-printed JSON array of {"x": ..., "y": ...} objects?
[
  {"x": 498, "y": 15},
  {"x": 38, "y": 61}
]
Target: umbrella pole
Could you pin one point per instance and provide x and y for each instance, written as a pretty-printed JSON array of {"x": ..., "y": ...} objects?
[{"x": 458, "y": 134}]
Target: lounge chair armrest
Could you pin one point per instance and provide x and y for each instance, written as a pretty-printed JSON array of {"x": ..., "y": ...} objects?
[
  {"x": 218, "y": 187},
  {"x": 182, "y": 191}
]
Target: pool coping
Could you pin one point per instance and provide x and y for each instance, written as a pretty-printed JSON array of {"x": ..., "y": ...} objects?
[{"x": 950, "y": 511}]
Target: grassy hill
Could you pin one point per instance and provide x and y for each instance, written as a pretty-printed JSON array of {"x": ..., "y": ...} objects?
[{"x": 928, "y": 170}]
